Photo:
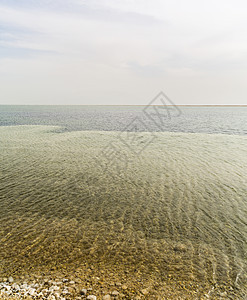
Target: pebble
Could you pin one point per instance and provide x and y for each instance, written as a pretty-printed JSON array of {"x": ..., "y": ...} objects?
[
  {"x": 24, "y": 286},
  {"x": 11, "y": 279},
  {"x": 144, "y": 291},
  {"x": 91, "y": 297},
  {"x": 16, "y": 287},
  {"x": 57, "y": 295},
  {"x": 83, "y": 292},
  {"x": 31, "y": 291},
  {"x": 180, "y": 248},
  {"x": 115, "y": 293},
  {"x": 106, "y": 297},
  {"x": 8, "y": 288},
  {"x": 65, "y": 292},
  {"x": 45, "y": 292}
]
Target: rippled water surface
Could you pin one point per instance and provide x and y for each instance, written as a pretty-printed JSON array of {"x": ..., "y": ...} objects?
[
  {"x": 229, "y": 120},
  {"x": 168, "y": 209}
]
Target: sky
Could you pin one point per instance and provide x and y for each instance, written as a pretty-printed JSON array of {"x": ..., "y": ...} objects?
[{"x": 123, "y": 51}]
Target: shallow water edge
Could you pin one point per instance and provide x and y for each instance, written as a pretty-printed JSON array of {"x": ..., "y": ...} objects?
[{"x": 168, "y": 213}]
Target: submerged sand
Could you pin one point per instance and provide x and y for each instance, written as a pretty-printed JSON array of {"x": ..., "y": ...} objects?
[{"x": 166, "y": 212}]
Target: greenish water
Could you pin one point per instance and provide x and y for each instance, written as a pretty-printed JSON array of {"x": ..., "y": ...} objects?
[{"x": 174, "y": 215}]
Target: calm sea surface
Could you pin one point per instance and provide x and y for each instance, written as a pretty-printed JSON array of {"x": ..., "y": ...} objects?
[{"x": 228, "y": 120}]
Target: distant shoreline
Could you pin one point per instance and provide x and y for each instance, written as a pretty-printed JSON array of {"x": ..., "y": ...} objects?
[{"x": 184, "y": 105}]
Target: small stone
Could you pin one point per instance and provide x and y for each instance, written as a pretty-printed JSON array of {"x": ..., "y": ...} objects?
[
  {"x": 8, "y": 287},
  {"x": 24, "y": 286},
  {"x": 57, "y": 295},
  {"x": 83, "y": 292},
  {"x": 65, "y": 292},
  {"x": 91, "y": 297},
  {"x": 51, "y": 289},
  {"x": 106, "y": 297},
  {"x": 180, "y": 247},
  {"x": 124, "y": 287},
  {"x": 115, "y": 293},
  {"x": 40, "y": 295},
  {"x": 144, "y": 291},
  {"x": 10, "y": 279},
  {"x": 71, "y": 289},
  {"x": 121, "y": 295},
  {"x": 65, "y": 280},
  {"x": 16, "y": 287},
  {"x": 31, "y": 292},
  {"x": 71, "y": 282},
  {"x": 45, "y": 292}
]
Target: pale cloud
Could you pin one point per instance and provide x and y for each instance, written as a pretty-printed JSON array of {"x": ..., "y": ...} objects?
[{"x": 122, "y": 52}]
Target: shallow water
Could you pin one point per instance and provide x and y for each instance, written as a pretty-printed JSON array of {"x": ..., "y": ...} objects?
[{"x": 174, "y": 213}]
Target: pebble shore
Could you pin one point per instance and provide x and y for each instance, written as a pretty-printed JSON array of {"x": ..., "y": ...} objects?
[
  {"x": 52, "y": 290},
  {"x": 66, "y": 289}
]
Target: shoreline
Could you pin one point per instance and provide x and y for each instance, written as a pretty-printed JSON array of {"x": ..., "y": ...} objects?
[{"x": 66, "y": 288}]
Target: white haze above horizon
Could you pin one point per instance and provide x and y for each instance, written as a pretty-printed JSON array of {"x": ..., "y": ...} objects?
[{"x": 123, "y": 52}]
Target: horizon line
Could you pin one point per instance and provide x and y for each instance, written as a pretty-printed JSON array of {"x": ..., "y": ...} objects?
[{"x": 209, "y": 105}]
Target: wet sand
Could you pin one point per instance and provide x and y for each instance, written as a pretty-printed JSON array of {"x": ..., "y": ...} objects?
[{"x": 170, "y": 218}]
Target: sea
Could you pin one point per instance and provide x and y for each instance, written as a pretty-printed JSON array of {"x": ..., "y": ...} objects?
[{"x": 152, "y": 198}]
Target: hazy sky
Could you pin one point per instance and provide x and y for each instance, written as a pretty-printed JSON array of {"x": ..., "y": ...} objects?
[{"x": 123, "y": 51}]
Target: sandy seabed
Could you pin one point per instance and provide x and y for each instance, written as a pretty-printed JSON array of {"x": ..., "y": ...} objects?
[{"x": 164, "y": 214}]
